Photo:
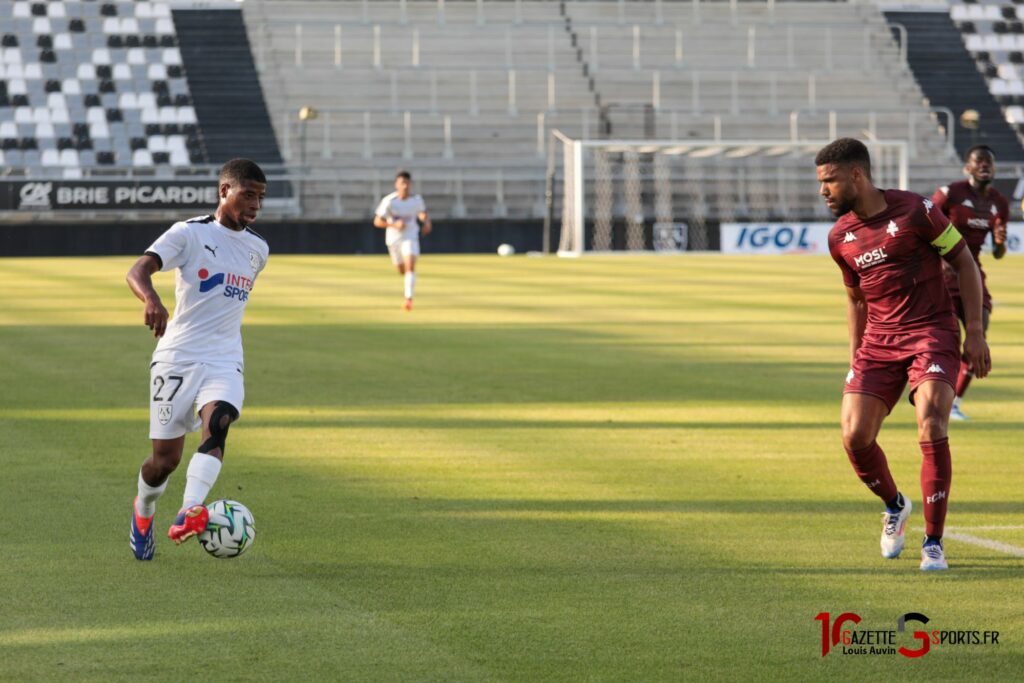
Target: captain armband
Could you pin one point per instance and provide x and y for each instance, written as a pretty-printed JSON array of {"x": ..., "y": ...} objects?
[{"x": 945, "y": 242}]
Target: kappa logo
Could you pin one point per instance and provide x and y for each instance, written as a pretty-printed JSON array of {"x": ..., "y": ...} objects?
[
  {"x": 893, "y": 228},
  {"x": 935, "y": 367},
  {"x": 164, "y": 412},
  {"x": 968, "y": 203},
  {"x": 993, "y": 210},
  {"x": 935, "y": 497},
  {"x": 928, "y": 205},
  {"x": 850, "y": 376},
  {"x": 850, "y": 237},
  {"x": 870, "y": 258},
  {"x": 35, "y": 195}
]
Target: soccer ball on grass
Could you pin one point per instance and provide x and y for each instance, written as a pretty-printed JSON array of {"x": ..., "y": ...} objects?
[{"x": 230, "y": 531}]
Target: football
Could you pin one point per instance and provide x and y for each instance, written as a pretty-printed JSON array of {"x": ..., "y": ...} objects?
[
  {"x": 506, "y": 250},
  {"x": 230, "y": 531}
]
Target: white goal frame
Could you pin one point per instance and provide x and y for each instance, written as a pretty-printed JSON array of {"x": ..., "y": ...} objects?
[{"x": 569, "y": 153}]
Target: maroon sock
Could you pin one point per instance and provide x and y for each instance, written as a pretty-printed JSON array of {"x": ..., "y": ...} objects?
[
  {"x": 873, "y": 469},
  {"x": 936, "y": 475},
  {"x": 964, "y": 378}
]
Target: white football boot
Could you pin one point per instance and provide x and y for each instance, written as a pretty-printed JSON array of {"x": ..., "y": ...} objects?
[
  {"x": 894, "y": 530},
  {"x": 933, "y": 557}
]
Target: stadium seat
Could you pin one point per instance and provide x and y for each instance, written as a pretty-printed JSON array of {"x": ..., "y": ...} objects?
[{"x": 142, "y": 157}]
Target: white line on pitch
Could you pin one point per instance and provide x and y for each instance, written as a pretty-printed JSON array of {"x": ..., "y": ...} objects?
[
  {"x": 988, "y": 528},
  {"x": 1014, "y": 550}
]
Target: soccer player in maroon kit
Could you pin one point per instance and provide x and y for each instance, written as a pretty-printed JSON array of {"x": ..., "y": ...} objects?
[
  {"x": 889, "y": 245},
  {"x": 976, "y": 209}
]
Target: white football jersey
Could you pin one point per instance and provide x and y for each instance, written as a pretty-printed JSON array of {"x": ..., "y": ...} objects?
[
  {"x": 408, "y": 210},
  {"x": 216, "y": 270}
]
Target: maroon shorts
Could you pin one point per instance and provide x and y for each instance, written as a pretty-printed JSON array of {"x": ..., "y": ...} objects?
[{"x": 885, "y": 362}]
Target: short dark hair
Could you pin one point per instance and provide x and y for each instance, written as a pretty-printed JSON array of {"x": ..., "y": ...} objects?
[
  {"x": 846, "y": 152},
  {"x": 240, "y": 171},
  {"x": 979, "y": 148},
  {"x": 402, "y": 173}
]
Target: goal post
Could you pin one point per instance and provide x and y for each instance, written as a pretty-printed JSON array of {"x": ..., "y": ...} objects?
[{"x": 667, "y": 195}]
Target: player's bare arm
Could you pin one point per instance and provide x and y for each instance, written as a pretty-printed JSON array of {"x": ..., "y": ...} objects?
[
  {"x": 975, "y": 347},
  {"x": 383, "y": 223},
  {"x": 999, "y": 240},
  {"x": 140, "y": 281},
  {"x": 425, "y": 223},
  {"x": 856, "y": 318}
]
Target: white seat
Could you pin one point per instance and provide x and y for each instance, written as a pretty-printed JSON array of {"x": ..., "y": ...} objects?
[
  {"x": 161, "y": 10},
  {"x": 111, "y": 26},
  {"x": 99, "y": 130},
  {"x": 41, "y": 25},
  {"x": 156, "y": 72},
  {"x": 21, "y": 10},
  {"x": 122, "y": 72},
  {"x": 993, "y": 13},
  {"x": 69, "y": 157},
  {"x": 129, "y": 26},
  {"x": 1007, "y": 42},
  {"x": 991, "y": 42},
  {"x": 997, "y": 86},
  {"x": 49, "y": 157},
  {"x": 72, "y": 173},
  {"x": 9, "y": 129},
  {"x": 142, "y": 157},
  {"x": 168, "y": 115},
  {"x": 2, "y": 160},
  {"x": 176, "y": 143},
  {"x": 186, "y": 115},
  {"x": 101, "y": 55},
  {"x": 3, "y": 70},
  {"x": 56, "y": 10},
  {"x": 12, "y": 55},
  {"x": 164, "y": 27},
  {"x": 1014, "y": 114},
  {"x": 60, "y": 116},
  {"x": 127, "y": 100},
  {"x": 56, "y": 100},
  {"x": 62, "y": 41},
  {"x": 150, "y": 115},
  {"x": 975, "y": 43},
  {"x": 136, "y": 55},
  {"x": 146, "y": 100},
  {"x": 144, "y": 10},
  {"x": 44, "y": 130},
  {"x": 96, "y": 115},
  {"x": 71, "y": 86},
  {"x": 958, "y": 12},
  {"x": 172, "y": 57},
  {"x": 87, "y": 71},
  {"x": 16, "y": 86},
  {"x": 179, "y": 157},
  {"x": 41, "y": 115},
  {"x": 23, "y": 115},
  {"x": 33, "y": 70},
  {"x": 1016, "y": 87},
  {"x": 1007, "y": 71},
  {"x": 157, "y": 143}
]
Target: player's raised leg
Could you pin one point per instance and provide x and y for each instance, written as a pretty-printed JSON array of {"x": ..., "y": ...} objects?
[
  {"x": 862, "y": 416},
  {"x": 203, "y": 470},
  {"x": 932, "y": 400},
  {"x": 409, "y": 275},
  {"x": 153, "y": 476}
]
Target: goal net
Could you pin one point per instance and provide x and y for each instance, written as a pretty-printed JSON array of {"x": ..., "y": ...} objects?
[{"x": 668, "y": 195}]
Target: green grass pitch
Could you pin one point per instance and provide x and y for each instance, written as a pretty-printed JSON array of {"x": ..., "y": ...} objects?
[{"x": 600, "y": 469}]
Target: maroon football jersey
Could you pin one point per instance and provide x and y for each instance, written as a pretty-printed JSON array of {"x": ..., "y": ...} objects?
[
  {"x": 893, "y": 258},
  {"x": 974, "y": 214}
]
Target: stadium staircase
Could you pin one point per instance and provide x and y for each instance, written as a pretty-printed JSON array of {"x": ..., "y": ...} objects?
[
  {"x": 950, "y": 77},
  {"x": 464, "y": 94}
]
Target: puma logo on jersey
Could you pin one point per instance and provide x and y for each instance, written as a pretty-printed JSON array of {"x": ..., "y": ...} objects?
[
  {"x": 212, "y": 250},
  {"x": 893, "y": 228},
  {"x": 935, "y": 497},
  {"x": 935, "y": 367},
  {"x": 871, "y": 258},
  {"x": 850, "y": 237}
]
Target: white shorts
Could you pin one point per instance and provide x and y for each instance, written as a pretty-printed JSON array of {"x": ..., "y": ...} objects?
[
  {"x": 177, "y": 391},
  {"x": 403, "y": 248}
]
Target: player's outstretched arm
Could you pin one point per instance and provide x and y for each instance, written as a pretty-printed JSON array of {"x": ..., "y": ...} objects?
[
  {"x": 999, "y": 240},
  {"x": 976, "y": 351},
  {"x": 426, "y": 225},
  {"x": 856, "y": 318},
  {"x": 140, "y": 281}
]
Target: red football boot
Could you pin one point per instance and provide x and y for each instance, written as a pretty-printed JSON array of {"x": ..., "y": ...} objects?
[{"x": 190, "y": 522}]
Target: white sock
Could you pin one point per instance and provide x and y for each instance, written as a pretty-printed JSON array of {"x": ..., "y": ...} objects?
[
  {"x": 145, "y": 504},
  {"x": 410, "y": 284},
  {"x": 202, "y": 474}
]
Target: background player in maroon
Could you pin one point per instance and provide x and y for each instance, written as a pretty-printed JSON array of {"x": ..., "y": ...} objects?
[
  {"x": 889, "y": 245},
  {"x": 977, "y": 209}
]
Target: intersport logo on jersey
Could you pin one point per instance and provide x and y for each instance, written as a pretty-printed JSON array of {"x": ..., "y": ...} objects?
[{"x": 235, "y": 286}]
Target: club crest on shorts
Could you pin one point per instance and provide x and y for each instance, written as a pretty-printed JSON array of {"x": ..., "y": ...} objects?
[{"x": 164, "y": 411}]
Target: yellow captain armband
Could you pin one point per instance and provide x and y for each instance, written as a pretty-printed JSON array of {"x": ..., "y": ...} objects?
[{"x": 945, "y": 242}]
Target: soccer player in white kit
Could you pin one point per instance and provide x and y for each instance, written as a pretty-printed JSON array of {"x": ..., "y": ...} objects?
[
  {"x": 196, "y": 377},
  {"x": 404, "y": 216}
]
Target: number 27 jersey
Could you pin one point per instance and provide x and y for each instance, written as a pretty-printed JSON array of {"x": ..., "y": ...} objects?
[{"x": 216, "y": 269}]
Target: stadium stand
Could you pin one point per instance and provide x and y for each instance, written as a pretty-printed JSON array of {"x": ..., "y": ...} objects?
[
  {"x": 969, "y": 57},
  {"x": 465, "y": 93}
]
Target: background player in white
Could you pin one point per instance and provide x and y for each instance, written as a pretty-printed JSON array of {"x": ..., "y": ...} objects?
[
  {"x": 196, "y": 375},
  {"x": 404, "y": 215}
]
